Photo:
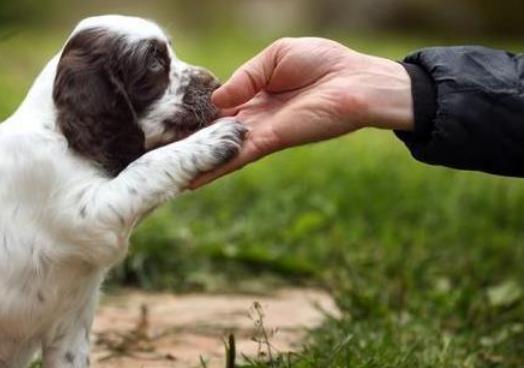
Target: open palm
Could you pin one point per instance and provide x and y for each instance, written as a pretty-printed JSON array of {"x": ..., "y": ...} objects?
[{"x": 305, "y": 90}]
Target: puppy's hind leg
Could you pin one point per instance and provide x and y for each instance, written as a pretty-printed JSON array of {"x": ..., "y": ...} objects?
[
  {"x": 67, "y": 349},
  {"x": 67, "y": 343}
]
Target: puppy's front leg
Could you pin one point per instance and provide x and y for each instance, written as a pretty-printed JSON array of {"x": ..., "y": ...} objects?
[
  {"x": 165, "y": 172},
  {"x": 105, "y": 213}
]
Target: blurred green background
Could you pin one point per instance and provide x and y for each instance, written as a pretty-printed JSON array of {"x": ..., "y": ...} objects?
[{"x": 426, "y": 262}]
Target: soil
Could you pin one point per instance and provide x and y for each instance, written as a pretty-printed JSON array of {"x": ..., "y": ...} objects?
[{"x": 135, "y": 329}]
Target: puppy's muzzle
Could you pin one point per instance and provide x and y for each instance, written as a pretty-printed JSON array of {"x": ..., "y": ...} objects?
[{"x": 197, "y": 97}]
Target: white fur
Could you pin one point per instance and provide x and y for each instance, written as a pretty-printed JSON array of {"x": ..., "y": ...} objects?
[
  {"x": 64, "y": 223},
  {"x": 133, "y": 27}
]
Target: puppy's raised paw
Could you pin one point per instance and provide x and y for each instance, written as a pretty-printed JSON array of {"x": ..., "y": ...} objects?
[{"x": 221, "y": 142}]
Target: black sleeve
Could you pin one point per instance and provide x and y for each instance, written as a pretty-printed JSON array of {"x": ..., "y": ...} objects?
[{"x": 469, "y": 109}]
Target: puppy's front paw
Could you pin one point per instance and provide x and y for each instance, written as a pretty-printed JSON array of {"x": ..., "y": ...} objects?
[
  {"x": 229, "y": 135},
  {"x": 221, "y": 141}
]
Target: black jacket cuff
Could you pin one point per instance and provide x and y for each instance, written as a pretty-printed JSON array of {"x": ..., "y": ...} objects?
[{"x": 424, "y": 94}]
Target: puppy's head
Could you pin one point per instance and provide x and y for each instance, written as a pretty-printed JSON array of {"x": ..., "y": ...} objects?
[{"x": 119, "y": 91}]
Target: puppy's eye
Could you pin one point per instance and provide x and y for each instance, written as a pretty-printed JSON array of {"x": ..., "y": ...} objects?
[{"x": 156, "y": 65}]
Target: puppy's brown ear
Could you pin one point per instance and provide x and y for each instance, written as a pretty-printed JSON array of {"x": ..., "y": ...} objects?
[{"x": 94, "y": 112}]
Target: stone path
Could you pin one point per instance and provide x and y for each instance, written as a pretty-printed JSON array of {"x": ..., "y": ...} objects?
[{"x": 136, "y": 329}]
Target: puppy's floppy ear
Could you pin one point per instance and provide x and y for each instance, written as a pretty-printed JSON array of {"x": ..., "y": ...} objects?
[{"x": 94, "y": 111}]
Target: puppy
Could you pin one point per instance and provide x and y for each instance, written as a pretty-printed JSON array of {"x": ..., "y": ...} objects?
[{"x": 104, "y": 136}]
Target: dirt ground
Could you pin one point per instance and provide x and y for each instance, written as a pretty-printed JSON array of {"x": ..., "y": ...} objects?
[{"x": 135, "y": 329}]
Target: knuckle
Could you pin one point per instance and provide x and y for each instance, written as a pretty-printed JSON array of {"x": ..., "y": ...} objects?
[{"x": 284, "y": 41}]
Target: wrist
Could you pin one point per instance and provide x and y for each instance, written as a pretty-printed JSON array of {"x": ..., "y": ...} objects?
[
  {"x": 386, "y": 93},
  {"x": 394, "y": 101}
]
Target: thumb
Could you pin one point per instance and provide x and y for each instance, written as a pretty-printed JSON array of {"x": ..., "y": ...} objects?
[{"x": 247, "y": 81}]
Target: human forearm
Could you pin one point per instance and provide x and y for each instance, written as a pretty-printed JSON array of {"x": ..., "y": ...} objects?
[{"x": 458, "y": 107}]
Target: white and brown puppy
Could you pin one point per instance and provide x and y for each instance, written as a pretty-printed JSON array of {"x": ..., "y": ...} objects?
[{"x": 86, "y": 156}]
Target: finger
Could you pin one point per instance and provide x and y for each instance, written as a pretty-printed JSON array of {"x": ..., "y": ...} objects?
[{"x": 248, "y": 80}]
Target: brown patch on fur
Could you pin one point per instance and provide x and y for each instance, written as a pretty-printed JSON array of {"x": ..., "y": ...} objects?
[{"x": 103, "y": 84}]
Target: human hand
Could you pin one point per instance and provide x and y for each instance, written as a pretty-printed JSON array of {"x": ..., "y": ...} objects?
[{"x": 304, "y": 90}]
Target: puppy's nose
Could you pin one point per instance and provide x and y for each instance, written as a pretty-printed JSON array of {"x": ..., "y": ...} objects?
[
  {"x": 204, "y": 80},
  {"x": 197, "y": 97}
]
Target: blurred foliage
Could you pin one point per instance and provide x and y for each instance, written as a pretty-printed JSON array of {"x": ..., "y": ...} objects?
[
  {"x": 425, "y": 262},
  {"x": 446, "y": 17},
  {"x": 20, "y": 11}
]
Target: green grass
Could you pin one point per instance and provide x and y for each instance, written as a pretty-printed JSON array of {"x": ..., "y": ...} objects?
[{"x": 425, "y": 262}]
